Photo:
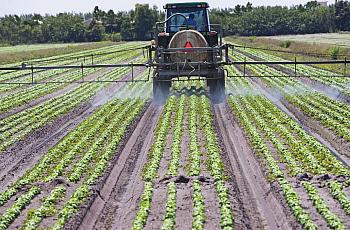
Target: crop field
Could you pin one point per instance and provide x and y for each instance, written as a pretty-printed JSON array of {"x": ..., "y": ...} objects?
[
  {"x": 339, "y": 39},
  {"x": 274, "y": 155},
  {"x": 21, "y": 48}
]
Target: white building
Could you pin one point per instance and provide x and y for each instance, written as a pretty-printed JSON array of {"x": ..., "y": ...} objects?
[{"x": 323, "y": 3}]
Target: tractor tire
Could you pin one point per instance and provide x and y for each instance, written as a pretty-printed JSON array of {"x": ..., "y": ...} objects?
[
  {"x": 217, "y": 87},
  {"x": 161, "y": 91}
]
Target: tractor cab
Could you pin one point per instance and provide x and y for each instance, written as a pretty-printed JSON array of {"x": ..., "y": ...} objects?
[{"x": 187, "y": 15}]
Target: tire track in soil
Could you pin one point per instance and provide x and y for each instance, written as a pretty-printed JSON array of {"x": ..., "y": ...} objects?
[
  {"x": 25, "y": 153},
  {"x": 117, "y": 196},
  {"x": 261, "y": 204}
]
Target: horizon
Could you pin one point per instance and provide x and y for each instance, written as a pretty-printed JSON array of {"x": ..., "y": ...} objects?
[{"x": 53, "y": 7}]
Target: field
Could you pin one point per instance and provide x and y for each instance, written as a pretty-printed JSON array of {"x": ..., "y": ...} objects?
[
  {"x": 274, "y": 155},
  {"x": 22, "y": 53},
  {"x": 339, "y": 39},
  {"x": 21, "y": 48}
]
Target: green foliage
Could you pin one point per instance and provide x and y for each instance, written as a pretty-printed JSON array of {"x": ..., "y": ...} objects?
[
  {"x": 286, "y": 44},
  {"x": 89, "y": 27},
  {"x": 137, "y": 24},
  {"x": 299, "y": 19},
  {"x": 334, "y": 52},
  {"x": 114, "y": 37}
]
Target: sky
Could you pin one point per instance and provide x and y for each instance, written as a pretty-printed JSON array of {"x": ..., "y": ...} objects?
[{"x": 57, "y": 6}]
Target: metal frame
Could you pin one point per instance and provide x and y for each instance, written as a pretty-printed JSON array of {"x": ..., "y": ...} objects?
[{"x": 194, "y": 68}]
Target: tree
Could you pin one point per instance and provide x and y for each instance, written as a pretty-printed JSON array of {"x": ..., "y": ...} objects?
[
  {"x": 145, "y": 20},
  {"x": 342, "y": 15},
  {"x": 110, "y": 22}
]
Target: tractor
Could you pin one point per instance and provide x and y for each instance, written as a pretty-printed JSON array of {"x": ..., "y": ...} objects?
[{"x": 187, "y": 46}]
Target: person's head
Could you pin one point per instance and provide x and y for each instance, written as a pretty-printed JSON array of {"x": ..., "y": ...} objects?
[{"x": 191, "y": 16}]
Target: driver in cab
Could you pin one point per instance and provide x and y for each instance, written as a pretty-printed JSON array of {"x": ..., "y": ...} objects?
[{"x": 192, "y": 22}]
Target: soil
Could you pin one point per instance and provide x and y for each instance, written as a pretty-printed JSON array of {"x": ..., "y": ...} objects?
[
  {"x": 184, "y": 204},
  {"x": 262, "y": 205},
  {"x": 110, "y": 206}
]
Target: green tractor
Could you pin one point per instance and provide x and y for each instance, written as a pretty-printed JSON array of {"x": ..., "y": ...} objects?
[{"x": 187, "y": 46}]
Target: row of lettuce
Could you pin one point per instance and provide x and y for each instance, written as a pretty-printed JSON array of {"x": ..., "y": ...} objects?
[
  {"x": 329, "y": 112},
  {"x": 17, "y": 95},
  {"x": 325, "y": 77},
  {"x": 17, "y": 126},
  {"x": 293, "y": 151},
  {"x": 80, "y": 158},
  {"x": 199, "y": 116}
]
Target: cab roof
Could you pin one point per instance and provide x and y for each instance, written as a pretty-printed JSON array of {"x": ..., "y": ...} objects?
[{"x": 186, "y": 5}]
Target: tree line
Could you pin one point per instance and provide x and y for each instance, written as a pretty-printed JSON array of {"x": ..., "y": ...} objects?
[
  {"x": 137, "y": 24},
  {"x": 98, "y": 25},
  {"x": 312, "y": 17}
]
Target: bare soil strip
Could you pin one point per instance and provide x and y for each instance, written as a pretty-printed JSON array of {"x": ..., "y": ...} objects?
[
  {"x": 184, "y": 204},
  {"x": 157, "y": 212},
  {"x": 335, "y": 206},
  {"x": 159, "y": 198},
  {"x": 24, "y": 154},
  {"x": 263, "y": 205},
  {"x": 211, "y": 204},
  {"x": 307, "y": 204},
  {"x": 117, "y": 199},
  {"x": 211, "y": 201}
]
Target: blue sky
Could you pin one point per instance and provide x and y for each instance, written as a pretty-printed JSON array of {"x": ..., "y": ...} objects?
[{"x": 55, "y": 6}]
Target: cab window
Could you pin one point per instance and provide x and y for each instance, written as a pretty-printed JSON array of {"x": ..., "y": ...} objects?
[{"x": 196, "y": 18}]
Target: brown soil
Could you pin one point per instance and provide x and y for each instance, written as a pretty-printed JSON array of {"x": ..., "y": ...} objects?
[
  {"x": 24, "y": 154},
  {"x": 307, "y": 204},
  {"x": 336, "y": 207},
  {"x": 158, "y": 205},
  {"x": 262, "y": 205},
  {"x": 119, "y": 192},
  {"x": 184, "y": 204}
]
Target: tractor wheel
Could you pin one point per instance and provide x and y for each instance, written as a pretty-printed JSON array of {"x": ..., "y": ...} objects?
[
  {"x": 160, "y": 90},
  {"x": 217, "y": 87}
]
